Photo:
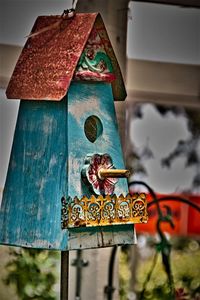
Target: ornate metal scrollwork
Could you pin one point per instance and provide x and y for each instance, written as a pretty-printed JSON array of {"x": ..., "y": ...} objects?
[{"x": 103, "y": 211}]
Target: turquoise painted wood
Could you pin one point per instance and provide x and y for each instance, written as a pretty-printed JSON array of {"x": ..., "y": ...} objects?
[
  {"x": 36, "y": 179},
  {"x": 47, "y": 157},
  {"x": 85, "y": 100}
]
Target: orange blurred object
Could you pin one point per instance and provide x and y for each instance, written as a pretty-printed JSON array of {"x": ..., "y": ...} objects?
[{"x": 185, "y": 218}]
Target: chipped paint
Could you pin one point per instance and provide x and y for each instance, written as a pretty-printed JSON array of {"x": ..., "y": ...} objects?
[
  {"x": 48, "y": 125},
  {"x": 79, "y": 108},
  {"x": 53, "y": 161}
]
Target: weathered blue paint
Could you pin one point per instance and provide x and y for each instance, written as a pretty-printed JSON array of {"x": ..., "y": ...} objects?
[
  {"x": 36, "y": 179},
  {"x": 85, "y": 100},
  {"x": 48, "y": 154}
]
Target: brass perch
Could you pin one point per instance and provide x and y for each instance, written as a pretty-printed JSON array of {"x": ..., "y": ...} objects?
[{"x": 113, "y": 173}]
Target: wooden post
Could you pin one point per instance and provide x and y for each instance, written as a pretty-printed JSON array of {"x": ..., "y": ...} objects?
[{"x": 64, "y": 280}]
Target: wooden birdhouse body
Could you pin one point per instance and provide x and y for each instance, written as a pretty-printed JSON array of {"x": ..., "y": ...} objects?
[{"x": 54, "y": 196}]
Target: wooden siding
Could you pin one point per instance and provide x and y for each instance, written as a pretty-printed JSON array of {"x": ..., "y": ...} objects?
[{"x": 47, "y": 156}]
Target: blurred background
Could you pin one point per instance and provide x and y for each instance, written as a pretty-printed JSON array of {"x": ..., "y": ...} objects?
[{"x": 157, "y": 44}]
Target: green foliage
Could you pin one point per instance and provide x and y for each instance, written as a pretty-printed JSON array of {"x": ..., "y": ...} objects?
[
  {"x": 33, "y": 273},
  {"x": 157, "y": 287},
  {"x": 124, "y": 275},
  {"x": 185, "y": 270},
  {"x": 151, "y": 274}
]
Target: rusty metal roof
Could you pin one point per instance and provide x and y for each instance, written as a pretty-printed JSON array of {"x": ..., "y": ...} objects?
[{"x": 48, "y": 60}]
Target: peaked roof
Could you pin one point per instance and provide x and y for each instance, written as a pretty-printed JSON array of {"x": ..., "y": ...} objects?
[{"x": 48, "y": 60}]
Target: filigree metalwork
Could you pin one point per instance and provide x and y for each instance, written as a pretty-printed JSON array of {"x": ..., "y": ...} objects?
[{"x": 102, "y": 211}]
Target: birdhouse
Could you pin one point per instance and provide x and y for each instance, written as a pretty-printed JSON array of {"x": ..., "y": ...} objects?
[{"x": 66, "y": 186}]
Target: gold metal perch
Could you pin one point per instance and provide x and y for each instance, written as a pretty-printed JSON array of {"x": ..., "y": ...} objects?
[{"x": 113, "y": 173}]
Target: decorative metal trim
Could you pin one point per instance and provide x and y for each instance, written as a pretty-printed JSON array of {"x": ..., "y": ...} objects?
[{"x": 103, "y": 211}]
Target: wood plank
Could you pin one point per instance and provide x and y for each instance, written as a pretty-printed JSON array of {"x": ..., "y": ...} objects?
[
  {"x": 36, "y": 179},
  {"x": 186, "y": 3},
  {"x": 162, "y": 77}
]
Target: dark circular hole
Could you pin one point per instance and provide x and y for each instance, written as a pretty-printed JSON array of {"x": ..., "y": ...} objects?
[{"x": 93, "y": 128}]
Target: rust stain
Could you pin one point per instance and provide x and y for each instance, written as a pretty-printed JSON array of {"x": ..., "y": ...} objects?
[{"x": 102, "y": 238}]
